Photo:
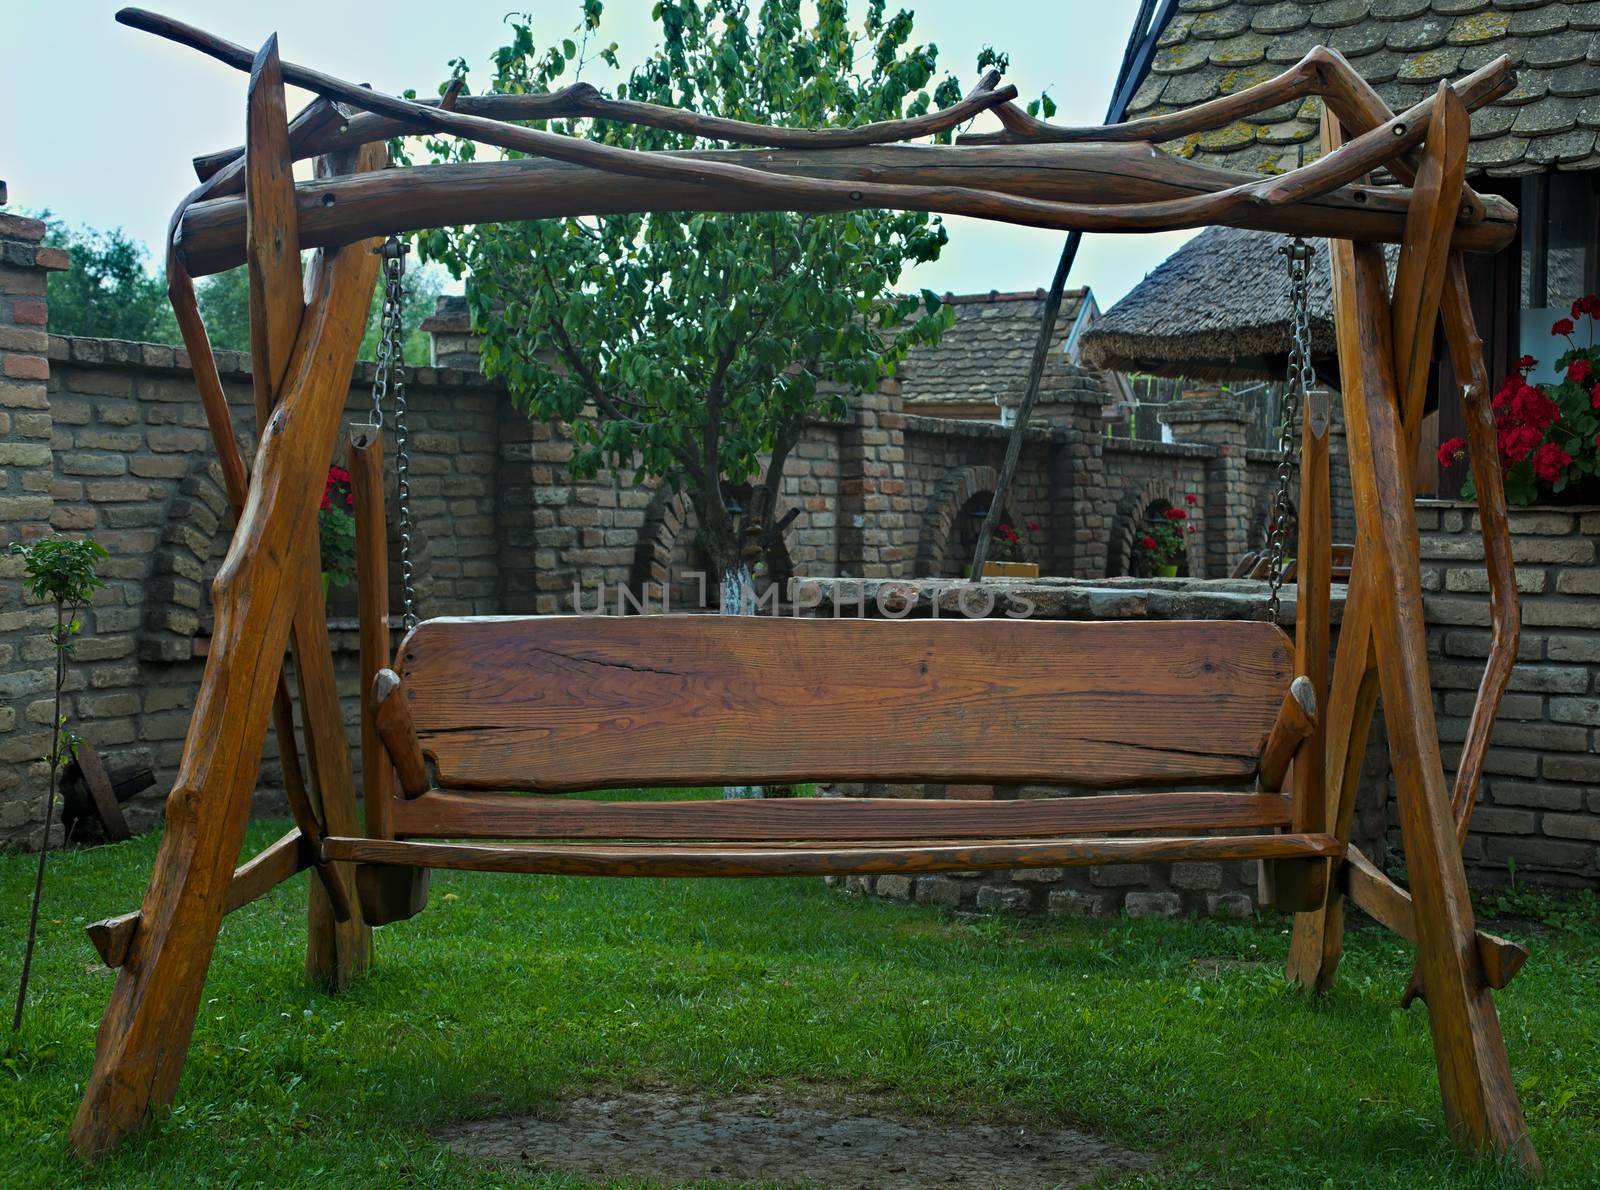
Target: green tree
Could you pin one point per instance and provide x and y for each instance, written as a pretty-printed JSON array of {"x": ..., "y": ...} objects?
[
  {"x": 694, "y": 347},
  {"x": 108, "y": 291}
]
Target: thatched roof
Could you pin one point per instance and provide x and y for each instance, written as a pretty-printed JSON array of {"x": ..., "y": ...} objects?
[
  {"x": 1403, "y": 48},
  {"x": 1216, "y": 309}
]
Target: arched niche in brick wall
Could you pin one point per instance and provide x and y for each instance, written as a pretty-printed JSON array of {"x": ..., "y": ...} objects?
[
  {"x": 193, "y": 542},
  {"x": 1133, "y": 514},
  {"x": 939, "y": 552}
]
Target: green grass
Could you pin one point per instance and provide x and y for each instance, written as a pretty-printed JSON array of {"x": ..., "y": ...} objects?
[{"x": 1179, "y": 1038}]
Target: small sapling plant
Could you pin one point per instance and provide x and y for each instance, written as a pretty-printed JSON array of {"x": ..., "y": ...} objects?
[{"x": 62, "y": 572}]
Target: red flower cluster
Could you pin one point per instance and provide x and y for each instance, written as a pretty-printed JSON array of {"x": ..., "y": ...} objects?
[
  {"x": 1586, "y": 307},
  {"x": 1549, "y": 461},
  {"x": 1522, "y": 415},
  {"x": 1175, "y": 514},
  {"x": 337, "y": 487},
  {"x": 1006, "y": 533},
  {"x": 1147, "y": 543},
  {"x": 1452, "y": 451},
  {"x": 1562, "y": 326}
]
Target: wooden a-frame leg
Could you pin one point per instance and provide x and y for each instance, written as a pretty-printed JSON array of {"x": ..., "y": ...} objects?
[
  {"x": 1480, "y": 1100},
  {"x": 144, "y": 1035}
]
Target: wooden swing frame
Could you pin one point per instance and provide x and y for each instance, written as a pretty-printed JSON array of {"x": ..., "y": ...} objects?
[{"x": 562, "y": 688}]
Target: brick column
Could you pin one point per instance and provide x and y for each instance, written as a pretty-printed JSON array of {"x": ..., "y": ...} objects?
[
  {"x": 874, "y": 536},
  {"x": 27, "y": 473},
  {"x": 1221, "y": 423},
  {"x": 1080, "y": 520}
]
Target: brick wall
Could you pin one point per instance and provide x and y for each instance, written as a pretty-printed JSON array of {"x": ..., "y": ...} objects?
[
  {"x": 1539, "y": 810},
  {"x": 26, "y": 509}
]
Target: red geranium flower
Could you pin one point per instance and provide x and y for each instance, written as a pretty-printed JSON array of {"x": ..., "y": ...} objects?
[
  {"x": 1594, "y": 397},
  {"x": 1526, "y": 362},
  {"x": 1006, "y": 532},
  {"x": 1562, "y": 326},
  {"x": 1586, "y": 305},
  {"x": 1550, "y": 461},
  {"x": 1579, "y": 370},
  {"x": 1148, "y": 543},
  {"x": 1531, "y": 406},
  {"x": 1034, "y": 526},
  {"x": 1191, "y": 498},
  {"x": 1452, "y": 451},
  {"x": 1517, "y": 442},
  {"x": 1175, "y": 514}
]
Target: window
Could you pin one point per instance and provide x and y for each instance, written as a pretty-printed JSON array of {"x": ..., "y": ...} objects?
[{"x": 1560, "y": 229}]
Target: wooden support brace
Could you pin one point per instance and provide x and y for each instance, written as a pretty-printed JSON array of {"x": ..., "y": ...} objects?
[
  {"x": 1390, "y": 905},
  {"x": 253, "y": 880}
]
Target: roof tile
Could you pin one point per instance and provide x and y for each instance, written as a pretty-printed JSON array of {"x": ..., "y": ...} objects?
[
  {"x": 1574, "y": 145},
  {"x": 1479, "y": 28},
  {"x": 1421, "y": 34},
  {"x": 1543, "y": 119},
  {"x": 1243, "y": 50},
  {"x": 1336, "y": 14},
  {"x": 1288, "y": 48},
  {"x": 1186, "y": 89},
  {"x": 1430, "y": 65},
  {"x": 1505, "y": 150},
  {"x": 1580, "y": 79},
  {"x": 1562, "y": 50},
  {"x": 1149, "y": 91},
  {"x": 1402, "y": 47},
  {"x": 1492, "y": 121},
  {"x": 1398, "y": 10},
  {"x": 1178, "y": 59},
  {"x": 1355, "y": 40},
  {"x": 1536, "y": 21},
  {"x": 1531, "y": 85},
  {"x": 1225, "y": 22},
  {"x": 1281, "y": 18}
]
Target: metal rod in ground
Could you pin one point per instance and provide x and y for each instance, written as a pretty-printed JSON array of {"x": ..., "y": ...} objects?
[{"x": 1041, "y": 354}]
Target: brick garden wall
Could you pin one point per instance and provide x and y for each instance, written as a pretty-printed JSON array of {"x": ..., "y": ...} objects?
[{"x": 108, "y": 438}]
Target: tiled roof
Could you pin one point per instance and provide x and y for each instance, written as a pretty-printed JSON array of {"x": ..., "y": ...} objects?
[
  {"x": 985, "y": 356},
  {"x": 1403, "y": 47}
]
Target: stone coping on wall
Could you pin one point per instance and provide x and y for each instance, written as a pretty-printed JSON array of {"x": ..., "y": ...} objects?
[
  {"x": 1053, "y": 598},
  {"x": 235, "y": 365}
]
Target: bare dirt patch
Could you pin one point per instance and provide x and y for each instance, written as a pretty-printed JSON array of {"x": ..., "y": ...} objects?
[{"x": 673, "y": 1137}]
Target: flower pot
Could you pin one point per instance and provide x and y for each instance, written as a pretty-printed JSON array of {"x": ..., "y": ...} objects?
[
  {"x": 1010, "y": 570},
  {"x": 327, "y": 585},
  {"x": 1170, "y": 571}
]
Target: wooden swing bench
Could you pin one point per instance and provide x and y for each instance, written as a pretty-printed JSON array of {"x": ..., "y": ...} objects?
[
  {"x": 476, "y": 729},
  {"x": 552, "y": 704}
]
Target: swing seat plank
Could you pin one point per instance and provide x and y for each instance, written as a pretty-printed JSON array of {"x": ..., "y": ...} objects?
[
  {"x": 468, "y": 815},
  {"x": 567, "y": 703},
  {"x": 821, "y": 858}
]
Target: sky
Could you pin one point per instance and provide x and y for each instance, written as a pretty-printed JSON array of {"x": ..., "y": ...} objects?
[{"x": 103, "y": 119}]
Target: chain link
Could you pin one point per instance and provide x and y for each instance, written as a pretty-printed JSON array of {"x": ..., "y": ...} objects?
[
  {"x": 1299, "y": 382},
  {"x": 389, "y": 380}
]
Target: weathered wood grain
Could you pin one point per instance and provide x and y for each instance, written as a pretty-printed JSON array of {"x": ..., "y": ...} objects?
[
  {"x": 144, "y": 1035},
  {"x": 365, "y": 456},
  {"x": 577, "y": 702},
  {"x": 1480, "y": 1098},
  {"x": 391, "y": 715},
  {"x": 684, "y": 859},
  {"x": 451, "y": 815}
]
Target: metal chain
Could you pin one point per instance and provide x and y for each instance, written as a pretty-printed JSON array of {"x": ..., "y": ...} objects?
[
  {"x": 1299, "y": 382},
  {"x": 390, "y": 380}
]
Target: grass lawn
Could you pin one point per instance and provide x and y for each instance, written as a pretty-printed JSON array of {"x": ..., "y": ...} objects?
[{"x": 1179, "y": 1038}]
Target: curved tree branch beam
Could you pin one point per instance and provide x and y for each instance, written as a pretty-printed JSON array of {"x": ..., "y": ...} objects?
[
  {"x": 338, "y": 211},
  {"x": 1362, "y": 155},
  {"x": 581, "y": 100}
]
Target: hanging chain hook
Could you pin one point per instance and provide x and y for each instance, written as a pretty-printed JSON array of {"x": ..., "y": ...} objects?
[
  {"x": 389, "y": 380},
  {"x": 1300, "y": 380}
]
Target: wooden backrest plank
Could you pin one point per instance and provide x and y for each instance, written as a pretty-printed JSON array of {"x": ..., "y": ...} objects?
[{"x": 559, "y": 703}]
